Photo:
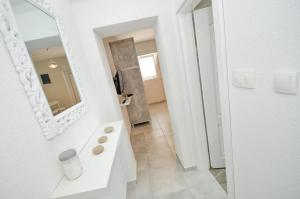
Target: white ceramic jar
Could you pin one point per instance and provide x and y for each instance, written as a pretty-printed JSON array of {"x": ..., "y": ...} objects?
[{"x": 71, "y": 164}]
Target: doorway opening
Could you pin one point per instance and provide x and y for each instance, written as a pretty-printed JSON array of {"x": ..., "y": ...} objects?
[
  {"x": 207, "y": 66},
  {"x": 135, "y": 68},
  {"x": 159, "y": 171}
]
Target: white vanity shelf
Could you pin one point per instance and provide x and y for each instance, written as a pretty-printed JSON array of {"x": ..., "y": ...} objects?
[{"x": 104, "y": 175}]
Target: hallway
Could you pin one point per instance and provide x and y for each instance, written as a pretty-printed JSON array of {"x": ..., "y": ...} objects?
[{"x": 160, "y": 175}]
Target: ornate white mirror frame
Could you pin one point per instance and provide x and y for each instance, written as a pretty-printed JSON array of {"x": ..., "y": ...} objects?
[{"x": 51, "y": 125}]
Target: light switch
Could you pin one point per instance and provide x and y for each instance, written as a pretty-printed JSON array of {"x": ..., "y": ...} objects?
[
  {"x": 286, "y": 82},
  {"x": 244, "y": 78}
]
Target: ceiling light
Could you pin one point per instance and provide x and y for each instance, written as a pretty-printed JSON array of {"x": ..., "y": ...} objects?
[{"x": 52, "y": 64}]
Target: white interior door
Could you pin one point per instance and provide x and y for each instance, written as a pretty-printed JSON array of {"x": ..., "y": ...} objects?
[
  {"x": 209, "y": 81},
  {"x": 74, "y": 88},
  {"x": 71, "y": 87}
]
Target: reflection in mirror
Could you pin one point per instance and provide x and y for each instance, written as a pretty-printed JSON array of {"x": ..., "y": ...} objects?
[{"x": 43, "y": 42}]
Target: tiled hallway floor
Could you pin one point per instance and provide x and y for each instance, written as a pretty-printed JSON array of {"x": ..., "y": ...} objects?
[
  {"x": 160, "y": 175},
  {"x": 220, "y": 175}
]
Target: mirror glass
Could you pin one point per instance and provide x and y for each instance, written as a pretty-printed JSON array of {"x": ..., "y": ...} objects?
[{"x": 43, "y": 42}]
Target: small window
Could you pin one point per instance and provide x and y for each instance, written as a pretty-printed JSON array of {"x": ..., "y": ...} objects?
[{"x": 148, "y": 66}]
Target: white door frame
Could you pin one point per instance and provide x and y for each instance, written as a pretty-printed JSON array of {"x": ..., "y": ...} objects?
[
  {"x": 184, "y": 16},
  {"x": 207, "y": 66},
  {"x": 174, "y": 79}
]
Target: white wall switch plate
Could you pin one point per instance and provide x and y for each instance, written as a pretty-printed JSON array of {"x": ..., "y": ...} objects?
[
  {"x": 286, "y": 82},
  {"x": 244, "y": 78}
]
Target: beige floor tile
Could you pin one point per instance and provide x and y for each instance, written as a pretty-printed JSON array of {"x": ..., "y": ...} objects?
[
  {"x": 166, "y": 161},
  {"x": 160, "y": 174},
  {"x": 154, "y": 133},
  {"x": 166, "y": 181},
  {"x": 185, "y": 194},
  {"x": 195, "y": 177},
  {"x": 170, "y": 139},
  {"x": 167, "y": 129},
  {"x": 220, "y": 176}
]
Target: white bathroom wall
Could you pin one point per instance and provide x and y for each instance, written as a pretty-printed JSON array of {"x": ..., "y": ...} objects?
[
  {"x": 27, "y": 160},
  {"x": 154, "y": 88},
  {"x": 145, "y": 47},
  {"x": 265, "y": 36},
  {"x": 178, "y": 4},
  {"x": 41, "y": 26},
  {"x": 29, "y": 167},
  {"x": 94, "y": 14},
  {"x": 265, "y": 128}
]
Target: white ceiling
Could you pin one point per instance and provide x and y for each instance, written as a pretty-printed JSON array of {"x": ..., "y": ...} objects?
[
  {"x": 45, "y": 48},
  {"x": 43, "y": 43},
  {"x": 49, "y": 48},
  {"x": 48, "y": 53},
  {"x": 126, "y": 27},
  {"x": 138, "y": 36}
]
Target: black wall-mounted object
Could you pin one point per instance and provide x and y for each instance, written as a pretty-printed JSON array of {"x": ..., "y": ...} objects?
[
  {"x": 45, "y": 79},
  {"x": 118, "y": 80}
]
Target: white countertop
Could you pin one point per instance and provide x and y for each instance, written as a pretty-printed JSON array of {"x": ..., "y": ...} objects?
[{"x": 96, "y": 169}]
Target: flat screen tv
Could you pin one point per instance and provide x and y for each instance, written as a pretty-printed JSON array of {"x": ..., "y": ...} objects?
[{"x": 118, "y": 80}]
